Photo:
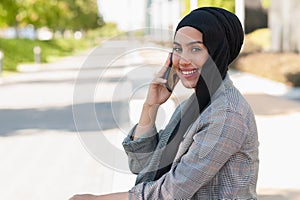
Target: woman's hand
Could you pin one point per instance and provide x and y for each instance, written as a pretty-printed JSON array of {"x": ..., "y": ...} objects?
[
  {"x": 84, "y": 197},
  {"x": 112, "y": 196},
  {"x": 158, "y": 93}
]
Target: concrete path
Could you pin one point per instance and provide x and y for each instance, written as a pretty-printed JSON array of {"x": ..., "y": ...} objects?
[{"x": 62, "y": 124}]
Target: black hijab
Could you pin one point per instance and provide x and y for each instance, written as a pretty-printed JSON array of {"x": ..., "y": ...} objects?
[{"x": 223, "y": 36}]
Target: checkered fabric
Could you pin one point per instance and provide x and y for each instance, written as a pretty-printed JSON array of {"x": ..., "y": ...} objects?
[{"x": 217, "y": 158}]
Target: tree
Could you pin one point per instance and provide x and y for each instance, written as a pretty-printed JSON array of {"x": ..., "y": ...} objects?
[
  {"x": 54, "y": 14},
  {"x": 9, "y": 14},
  {"x": 84, "y": 14},
  {"x": 44, "y": 13},
  {"x": 60, "y": 15},
  {"x": 284, "y": 17}
]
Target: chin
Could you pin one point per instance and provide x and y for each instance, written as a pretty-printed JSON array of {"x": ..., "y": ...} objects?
[{"x": 188, "y": 85}]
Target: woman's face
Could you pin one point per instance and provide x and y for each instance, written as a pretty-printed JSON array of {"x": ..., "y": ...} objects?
[{"x": 189, "y": 55}]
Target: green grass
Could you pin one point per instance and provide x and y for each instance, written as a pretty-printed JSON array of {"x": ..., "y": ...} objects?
[{"x": 18, "y": 51}]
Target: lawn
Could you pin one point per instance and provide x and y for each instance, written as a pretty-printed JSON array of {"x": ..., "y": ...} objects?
[{"x": 17, "y": 51}]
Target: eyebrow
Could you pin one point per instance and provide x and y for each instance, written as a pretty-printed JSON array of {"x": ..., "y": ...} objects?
[{"x": 190, "y": 43}]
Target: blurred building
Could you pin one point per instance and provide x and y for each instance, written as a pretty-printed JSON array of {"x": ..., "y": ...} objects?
[{"x": 136, "y": 14}]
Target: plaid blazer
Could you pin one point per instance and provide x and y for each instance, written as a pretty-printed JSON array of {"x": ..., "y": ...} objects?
[{"x": 217, "y": 158}]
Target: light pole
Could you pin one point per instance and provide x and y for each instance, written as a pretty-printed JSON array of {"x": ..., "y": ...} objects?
[
  {"x": 1, "y": 61},
  {"x": 193, "y": 4},
  {"x": 148, "y": 16},
  {"x": 240, "y": 11},
  {"x": 37, "y": 54}
]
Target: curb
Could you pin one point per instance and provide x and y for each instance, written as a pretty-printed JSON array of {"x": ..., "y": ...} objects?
[{"x": 250, "y": 83}]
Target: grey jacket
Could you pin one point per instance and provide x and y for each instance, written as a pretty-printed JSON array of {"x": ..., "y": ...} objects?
[{"x": 217, "y": 158}]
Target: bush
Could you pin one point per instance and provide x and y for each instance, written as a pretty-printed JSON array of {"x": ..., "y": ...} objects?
[
  {"x": 18, "y": 51},
  {"x": 256, "y": 58},
  {"x": 107, "y": 30},
  {"x": 294, "y": 78}
]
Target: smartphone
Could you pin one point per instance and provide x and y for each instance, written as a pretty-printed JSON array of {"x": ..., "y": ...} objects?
[{"x": 170, "y": 76}]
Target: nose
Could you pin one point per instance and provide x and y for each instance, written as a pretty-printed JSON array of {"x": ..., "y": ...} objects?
[{"x": 184, "y": 60}]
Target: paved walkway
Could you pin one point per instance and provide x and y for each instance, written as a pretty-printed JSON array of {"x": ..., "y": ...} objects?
[{"x": 51, "y": 117}]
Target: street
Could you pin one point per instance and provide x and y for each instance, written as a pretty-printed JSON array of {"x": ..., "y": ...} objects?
[{"x": 62, "y": 124}]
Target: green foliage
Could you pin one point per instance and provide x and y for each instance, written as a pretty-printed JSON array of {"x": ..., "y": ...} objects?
[
  {"x": 266, "y": 4},
  {"x": 17, "y": 51},
  {"x": 54, "y": 14},
  {"x": 227, "y": 4},
  {"x": 108, "y": 30},
  {"x": 84, "y": 14},
  {"x": 294, "y": 78},
  {"x": 187, "y": 7},
  {"x": 8, "y": 12}
]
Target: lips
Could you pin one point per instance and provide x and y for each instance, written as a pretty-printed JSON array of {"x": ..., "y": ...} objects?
[{"x": 187, "y": 73}]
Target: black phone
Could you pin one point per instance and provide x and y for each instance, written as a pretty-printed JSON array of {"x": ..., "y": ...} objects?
[{"x": 170, "y": 76}]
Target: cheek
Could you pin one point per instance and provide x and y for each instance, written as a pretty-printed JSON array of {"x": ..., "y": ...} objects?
[
  {"x": 206, "y": 56},
  {"x": 176, "y": 61},
  {"x": 201, "y": 60}
]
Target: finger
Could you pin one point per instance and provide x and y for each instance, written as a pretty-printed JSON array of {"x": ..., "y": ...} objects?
[
  {"x": 163, "y": 70},
  {"x": 159, "y": 80}
]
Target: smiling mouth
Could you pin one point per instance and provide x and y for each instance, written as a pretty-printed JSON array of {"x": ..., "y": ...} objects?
[{"x": 188, "y": 72}]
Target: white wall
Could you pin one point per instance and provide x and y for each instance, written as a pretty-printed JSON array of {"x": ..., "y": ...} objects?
[
  {"x": 127, "y": 14},
  {"x": 130, "y": 14}
]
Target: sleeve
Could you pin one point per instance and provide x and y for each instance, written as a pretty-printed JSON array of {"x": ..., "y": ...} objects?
[
  {"x": 212, "y": 146},
  {"x": 139, "y": 151}
]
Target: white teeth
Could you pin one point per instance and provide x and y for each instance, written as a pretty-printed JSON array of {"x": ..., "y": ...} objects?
[{"x": 188, "y": 72}]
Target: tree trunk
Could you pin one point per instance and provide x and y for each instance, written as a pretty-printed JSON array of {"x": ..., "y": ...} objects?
[
  {"x": 284, "y": 18},
  {"x": 16, "y": 27},
  {"x": 295, "y": 28}
]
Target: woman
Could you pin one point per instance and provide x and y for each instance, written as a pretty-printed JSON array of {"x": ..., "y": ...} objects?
[{"x": 209, "y": 149}]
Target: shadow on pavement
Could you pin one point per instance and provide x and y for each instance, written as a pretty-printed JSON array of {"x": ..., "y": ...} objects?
[{"x": 104, "y": 117}]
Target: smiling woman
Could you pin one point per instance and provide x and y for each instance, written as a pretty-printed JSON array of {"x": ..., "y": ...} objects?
[
  {"x": 190, "y": 54},
  {"x": 209, "y": 148}
]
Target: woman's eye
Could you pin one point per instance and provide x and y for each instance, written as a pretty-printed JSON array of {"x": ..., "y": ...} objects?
[
  {"x": 196, "y": 49},
  {"x": 177, "y": 49}
]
